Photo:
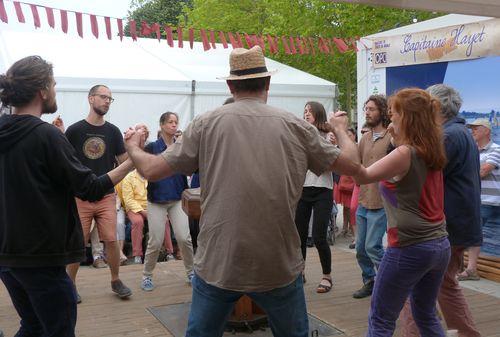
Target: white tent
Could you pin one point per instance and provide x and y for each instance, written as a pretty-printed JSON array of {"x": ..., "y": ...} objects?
[{"x": 147, "y": 77}]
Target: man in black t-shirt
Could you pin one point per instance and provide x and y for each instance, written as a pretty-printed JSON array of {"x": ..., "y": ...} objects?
[{"x": 99, "y": 146}]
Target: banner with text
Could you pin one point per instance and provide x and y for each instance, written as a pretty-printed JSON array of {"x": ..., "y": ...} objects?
[{"x": 461, "y": 42}]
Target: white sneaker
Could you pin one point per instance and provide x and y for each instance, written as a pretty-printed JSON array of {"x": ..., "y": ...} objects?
[
  {"x": 137, "y": 260},
  {"x": 147, "y": 283},
  {"x": 170, "y": 257}
]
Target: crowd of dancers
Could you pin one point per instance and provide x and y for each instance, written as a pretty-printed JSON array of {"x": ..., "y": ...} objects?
[{"x": 263, "y": 172}]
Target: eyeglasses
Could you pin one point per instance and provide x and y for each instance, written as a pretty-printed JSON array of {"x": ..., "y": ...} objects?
[
  {"x": 105, "y": 98},
  {"x": 369, "y": 108}
]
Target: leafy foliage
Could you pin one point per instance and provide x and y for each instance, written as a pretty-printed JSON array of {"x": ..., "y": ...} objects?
[
  {"x": 292, "y": 18},
  {"x": 164, "y": 12}
]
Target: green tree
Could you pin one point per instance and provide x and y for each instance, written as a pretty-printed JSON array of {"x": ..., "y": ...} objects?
[
  {"x": 311, "y": 18},
  {"x": 164, "y": 12}
]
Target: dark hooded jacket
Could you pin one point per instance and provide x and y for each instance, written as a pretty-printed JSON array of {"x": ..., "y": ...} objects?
[{"x": 39, "y": 179}]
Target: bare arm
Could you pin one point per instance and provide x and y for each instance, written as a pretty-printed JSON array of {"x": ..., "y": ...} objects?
[
  {"x": 395, "y": 164},
  {"x": 486, "y": 169},
  {"x": 121, "y": 158},
  {"x": 118, "y": 173},
  {"x": 152, "y": 167},
  {"x": 348, "y": 162}
]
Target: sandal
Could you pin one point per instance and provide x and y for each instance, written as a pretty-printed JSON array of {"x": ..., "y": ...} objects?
[
  {"x": 321, "y": 289},
  {"x": 468, "y": 275}
]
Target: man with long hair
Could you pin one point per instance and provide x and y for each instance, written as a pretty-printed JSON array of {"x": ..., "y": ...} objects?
[
  {"x": 370, "y": 216},
  {"x": 39, "y": 171}
]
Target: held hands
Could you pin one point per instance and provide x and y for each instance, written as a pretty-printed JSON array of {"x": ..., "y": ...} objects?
[
  {"x": 58, "y": 123},
  {"x": 136, "y": 136},
  {"x": 331, "y": 138},
  {"x": 338, "y": 121}
]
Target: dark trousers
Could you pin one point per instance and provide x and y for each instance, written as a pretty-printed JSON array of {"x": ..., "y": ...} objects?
[
  {"x": 194, "y": 230},
  {"x": 44, "y": 298},
  {"x": 320, "y": 200}
]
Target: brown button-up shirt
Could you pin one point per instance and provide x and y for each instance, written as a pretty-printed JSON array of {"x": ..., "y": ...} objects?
[
  {"x": 370, "y": 151},
  {"x": 253, "y": 159}
]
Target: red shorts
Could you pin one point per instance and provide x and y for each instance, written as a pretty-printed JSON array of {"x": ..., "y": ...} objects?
[{"x": 104, "y": 213}]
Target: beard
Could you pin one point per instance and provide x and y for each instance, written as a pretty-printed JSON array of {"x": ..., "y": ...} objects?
[
  {"x": 101, "y": 111},
  {"x": 49, "y": 107},
  {"x": 374, "y": 121}
]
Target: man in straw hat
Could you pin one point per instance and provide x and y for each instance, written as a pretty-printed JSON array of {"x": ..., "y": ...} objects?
[{"x": 252, "y": 160}]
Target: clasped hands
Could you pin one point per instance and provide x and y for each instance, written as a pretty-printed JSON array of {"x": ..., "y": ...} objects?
[
  {"x": 136, "y": 136},
  {"x": 337, "y": 121}
]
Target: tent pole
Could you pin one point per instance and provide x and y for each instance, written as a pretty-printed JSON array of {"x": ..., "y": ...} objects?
[{"x": 193, "y": 93}]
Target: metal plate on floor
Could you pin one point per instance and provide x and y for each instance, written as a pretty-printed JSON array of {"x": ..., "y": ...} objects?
[{"x": 174, "y": 317}]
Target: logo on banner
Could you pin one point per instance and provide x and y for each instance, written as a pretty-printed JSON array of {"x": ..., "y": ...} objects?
[
  {"x": 459, "y": 42},
  {"x": 380, "y": 58}
]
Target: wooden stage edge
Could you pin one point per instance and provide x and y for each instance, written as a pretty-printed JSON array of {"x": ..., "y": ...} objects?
[{"x": 102, "y": 314}]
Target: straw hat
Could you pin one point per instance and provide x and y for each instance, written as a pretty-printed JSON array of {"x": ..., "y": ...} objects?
[
  {"x": 481, "y": 122},
  {"x": 246, "y": 64}
]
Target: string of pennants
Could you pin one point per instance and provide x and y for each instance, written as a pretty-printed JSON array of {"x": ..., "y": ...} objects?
[{"x": 291, "y": 45}]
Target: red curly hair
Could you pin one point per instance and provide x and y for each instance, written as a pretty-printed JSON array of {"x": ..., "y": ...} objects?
[{"x": 419, "y": 125}]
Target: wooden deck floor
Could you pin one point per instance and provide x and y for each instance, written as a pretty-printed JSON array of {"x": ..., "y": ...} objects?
[{"x": 101, "y": 314}]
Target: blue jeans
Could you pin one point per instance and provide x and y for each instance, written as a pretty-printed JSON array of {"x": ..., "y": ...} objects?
[
  {"x": 490, "y": 219},
  {"x": 44, "y": 298},
  {"x": 371, "y": 225},
  {"x": 211, "y": 307},
  {"x": 416, "y": 271}
]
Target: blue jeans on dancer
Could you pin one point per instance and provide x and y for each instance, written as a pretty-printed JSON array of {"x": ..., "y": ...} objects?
[
  {"x": 371, "y": 226},
  {"x": 211, "y": 307},
  {"x": 415, "y": 271},
  {"x": 44, "y": 298}
]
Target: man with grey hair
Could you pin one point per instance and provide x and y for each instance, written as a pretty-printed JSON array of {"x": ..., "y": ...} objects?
[
  {"x": 489, "y": 157},
  {"x": 462, "y": 191}
]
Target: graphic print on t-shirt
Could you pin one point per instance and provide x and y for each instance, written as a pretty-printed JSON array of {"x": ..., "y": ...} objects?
[{"x": 94, "y": 148}]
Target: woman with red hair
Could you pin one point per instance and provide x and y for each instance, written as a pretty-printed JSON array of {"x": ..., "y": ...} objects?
[{"x": 411, "y": 185}]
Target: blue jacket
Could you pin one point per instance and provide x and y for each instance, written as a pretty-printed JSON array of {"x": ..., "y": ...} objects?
[
  {"x": 462, "y": 185},
  {"x": 167, "y": 189}
]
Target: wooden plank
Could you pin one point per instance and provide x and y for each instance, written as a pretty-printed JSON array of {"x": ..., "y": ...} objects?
[
  {"x": 488, "y": 267},
  {"x": 103, "y": 314}
]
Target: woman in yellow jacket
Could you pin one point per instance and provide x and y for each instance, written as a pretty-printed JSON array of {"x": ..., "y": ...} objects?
[{"x": 134, "y": 192}]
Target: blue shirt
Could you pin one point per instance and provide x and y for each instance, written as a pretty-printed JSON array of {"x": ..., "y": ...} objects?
[
  {"x": 168, "y": 189},
  {"x": 462, "y": 185},
  {"x": 195, "y": 180}
]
